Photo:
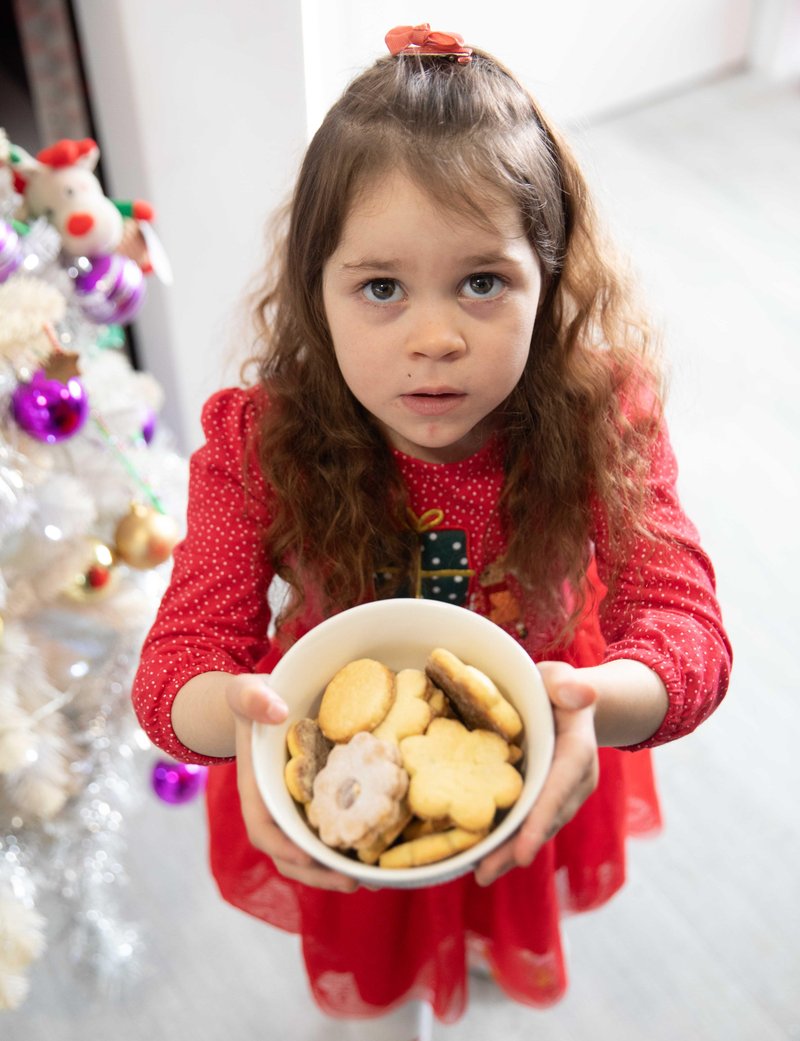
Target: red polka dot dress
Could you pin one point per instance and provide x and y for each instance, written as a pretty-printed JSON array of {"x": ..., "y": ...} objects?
[{"x": 367, "y": 952}]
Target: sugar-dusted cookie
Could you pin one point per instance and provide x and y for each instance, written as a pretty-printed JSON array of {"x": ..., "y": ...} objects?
[
  {"x": 428, "y": 849},
  {"x": 459, "y": 773},
  {"x": 357, "y": 698},
  {"x": 357, "y": 794},
  {"x": 410, "y": 713},
  {"x": 476, "y": 698},
  {"x": 308, "y": 752}
]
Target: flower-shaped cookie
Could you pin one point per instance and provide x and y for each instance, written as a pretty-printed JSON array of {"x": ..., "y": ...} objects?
[
  {"x": 476, "y": 698},
  {"x": 308, "y": 752},
  {"x": 458, "y": 773},
  {"x": 410, "y": 713},
  {"x": 358, "y": 793}
]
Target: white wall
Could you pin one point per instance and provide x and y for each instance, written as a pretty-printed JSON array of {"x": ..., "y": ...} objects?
[
  {"x": 775, "y": 40},
  {"x": 200, "y": 109},
  {"x": 203, "y": 108},
  {"x": 581, "y": 58}
]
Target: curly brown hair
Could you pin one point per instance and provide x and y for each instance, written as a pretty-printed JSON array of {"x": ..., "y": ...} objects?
[{"x": 576, "y": 429}]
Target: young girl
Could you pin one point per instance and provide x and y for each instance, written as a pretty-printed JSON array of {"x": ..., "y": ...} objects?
[{"x": 448, "y": 349}]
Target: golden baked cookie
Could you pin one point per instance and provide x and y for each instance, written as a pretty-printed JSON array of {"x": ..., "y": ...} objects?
[
  {"x": 428, "y": 849},
  {"x": 439, "y": 704},
  {"x": 410, "y": 712},
  {"x": 416, "y": 827},
  {"x": 476, "y": 698},
  {"x": 358, "y": 793},
  {"x": 357, "y": 698},
  {"x": 459, "y": 773},
  {"x": 308, "y": 751},
  {"x": 372, "y": 845},
  {"x": 515, "y": 754}
]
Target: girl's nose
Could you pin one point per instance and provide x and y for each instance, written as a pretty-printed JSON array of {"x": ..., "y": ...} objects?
[{"x": 437, "y": 337}]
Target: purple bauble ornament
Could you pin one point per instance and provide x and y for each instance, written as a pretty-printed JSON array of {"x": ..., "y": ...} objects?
[
  {"x": 48, "y": 409},
  {"x": 149, "y": 426},
  {"x": 175, "y": 783},
  {"x": 110, "y": 289},
  {"x": 10, "y": 251}
]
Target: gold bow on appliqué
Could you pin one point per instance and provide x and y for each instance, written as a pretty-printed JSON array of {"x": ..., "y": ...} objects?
[{"x": 422, "y": 524}]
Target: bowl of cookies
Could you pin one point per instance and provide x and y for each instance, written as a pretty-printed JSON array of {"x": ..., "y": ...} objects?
[{"x": 418, "y": 737}]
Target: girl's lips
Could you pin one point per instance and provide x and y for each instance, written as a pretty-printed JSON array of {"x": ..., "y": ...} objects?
[{"x": 433, "y": 404}]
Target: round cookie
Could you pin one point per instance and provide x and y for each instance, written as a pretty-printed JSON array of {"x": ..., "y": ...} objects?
[{"x": 357, "y": 698}]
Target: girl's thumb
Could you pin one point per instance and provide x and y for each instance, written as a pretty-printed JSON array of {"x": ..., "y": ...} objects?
[
  {"x": 257, "y": 701},
  {"x": 573, "y": 695},
  {"x": 565, "y": 688},
  {"x": 275, "y": 708}
]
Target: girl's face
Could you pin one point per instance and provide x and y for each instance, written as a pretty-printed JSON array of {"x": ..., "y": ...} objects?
[{"x": 431, "y": 315}]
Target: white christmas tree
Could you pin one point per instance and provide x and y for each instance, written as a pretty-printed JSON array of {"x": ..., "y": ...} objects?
[{"x": 91, "y": 490}]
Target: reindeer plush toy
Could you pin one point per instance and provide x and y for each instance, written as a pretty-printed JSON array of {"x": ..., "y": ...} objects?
[{"x": 60, "y": 185}]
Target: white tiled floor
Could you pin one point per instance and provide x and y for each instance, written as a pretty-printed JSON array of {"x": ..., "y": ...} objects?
[{"x": 703, "y": 942}]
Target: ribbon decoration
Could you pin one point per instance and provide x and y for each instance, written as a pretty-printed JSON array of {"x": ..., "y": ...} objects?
[
  {"x": 430, "y": 578},
  {"x": 419, "y": 39},
  {"x": 426, "y": 521}
]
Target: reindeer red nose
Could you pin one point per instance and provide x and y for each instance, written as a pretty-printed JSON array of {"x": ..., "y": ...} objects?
[{"x": 80, "y": 223}]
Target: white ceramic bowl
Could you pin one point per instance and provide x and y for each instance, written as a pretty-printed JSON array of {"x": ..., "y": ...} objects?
[{"x": 401, "y": 633}]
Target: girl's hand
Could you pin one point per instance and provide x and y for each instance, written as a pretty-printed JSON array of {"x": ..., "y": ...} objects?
[
  {"x": 251, "y": 700},
  {"x": 573, "y": 773}
]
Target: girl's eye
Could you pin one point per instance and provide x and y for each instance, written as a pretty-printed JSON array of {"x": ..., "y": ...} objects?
[
  {"x": 482, "y": 286},
  {"x": 382, "y": 291}
]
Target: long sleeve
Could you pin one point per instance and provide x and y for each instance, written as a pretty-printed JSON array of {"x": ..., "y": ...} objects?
[
  {"x": 664, "y": 610},
  {"x": 214, "y": 615}
]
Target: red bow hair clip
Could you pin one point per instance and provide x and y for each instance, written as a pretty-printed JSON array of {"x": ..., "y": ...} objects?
[{"x": 418, "y": 39}]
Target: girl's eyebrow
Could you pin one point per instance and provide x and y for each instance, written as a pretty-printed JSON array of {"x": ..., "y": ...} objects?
[
  {"x": 476, "y": 261},
  {"x": 371, "y": 265},
  {"x": 490, "y": 259}
]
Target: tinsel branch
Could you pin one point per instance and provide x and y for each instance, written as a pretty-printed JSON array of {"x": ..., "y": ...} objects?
[{"x": 80, "y": 446}]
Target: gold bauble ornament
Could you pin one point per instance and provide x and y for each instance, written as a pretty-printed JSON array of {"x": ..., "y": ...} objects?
[
  {"x": 144, "y": 537},
  {"x": 97, "y": 576}
]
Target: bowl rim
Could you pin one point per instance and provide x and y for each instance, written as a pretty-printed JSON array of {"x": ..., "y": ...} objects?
[{"x": 286, "y": 813}]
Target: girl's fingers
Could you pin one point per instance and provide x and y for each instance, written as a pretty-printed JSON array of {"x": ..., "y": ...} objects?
[
  {"x": 317, "y": 876},
  {"x": 264, "y": 833},
  {"x": 572, "y": 777},
  {"x": 496, "y": 864}
]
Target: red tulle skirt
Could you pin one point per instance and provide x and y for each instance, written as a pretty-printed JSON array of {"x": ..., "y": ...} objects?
[{"x": 366, "y": 952}]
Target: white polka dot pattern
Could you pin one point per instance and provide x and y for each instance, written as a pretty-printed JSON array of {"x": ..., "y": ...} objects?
[{"x": 215, "y": 615}]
